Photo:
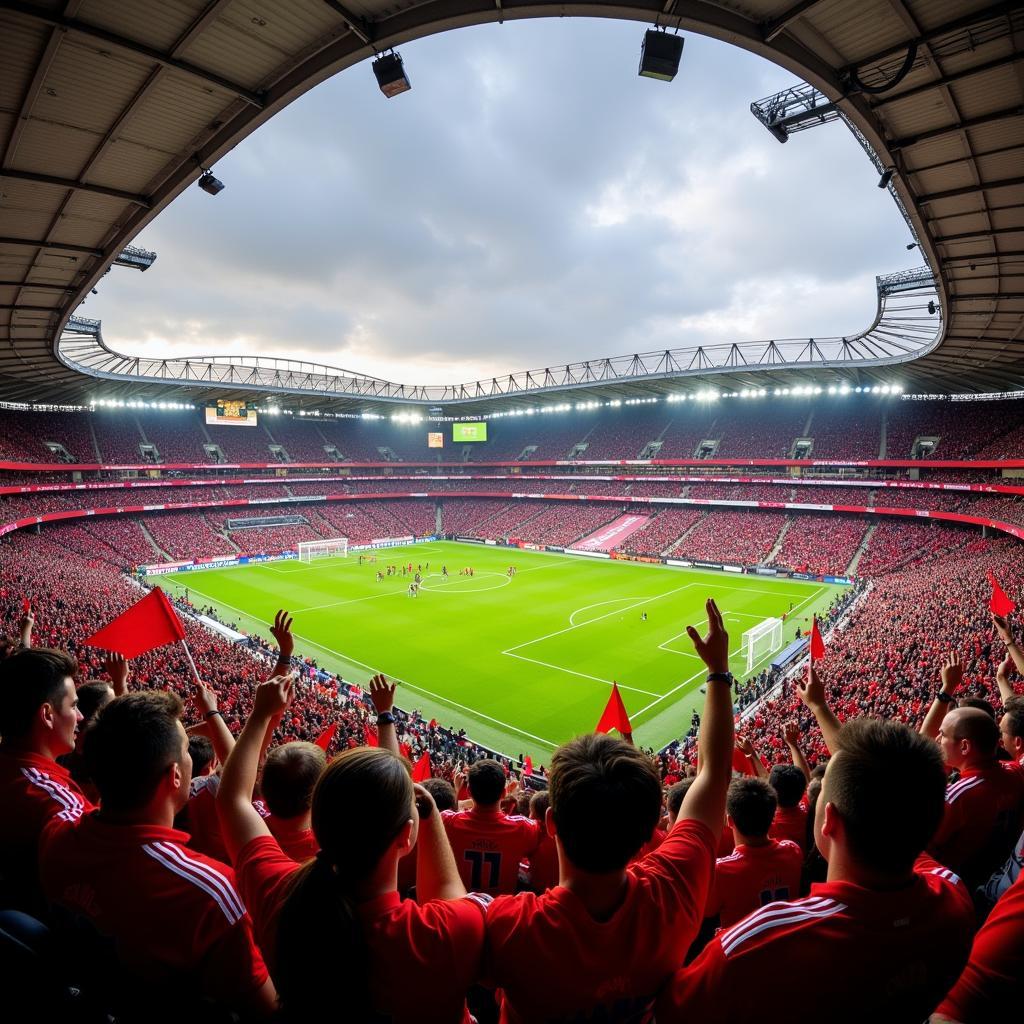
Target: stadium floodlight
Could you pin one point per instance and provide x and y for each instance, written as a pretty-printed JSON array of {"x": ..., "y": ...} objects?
[
  {"x": 209, "y": 184},
  {"x": 912, "y": 245},
  {"x": 390, "y": 74},
  {"x": 660, "y": 55},
  {"x": 887, "y": 175}
]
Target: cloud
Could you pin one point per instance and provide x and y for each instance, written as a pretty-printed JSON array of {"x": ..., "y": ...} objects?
[{"x": 531, "y": 201}]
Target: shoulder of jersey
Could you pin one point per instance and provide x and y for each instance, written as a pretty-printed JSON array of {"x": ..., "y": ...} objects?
[{"x": 775, "y": 919}]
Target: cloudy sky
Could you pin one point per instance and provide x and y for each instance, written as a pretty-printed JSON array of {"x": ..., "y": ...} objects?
[{"x": 531, "y": 201}]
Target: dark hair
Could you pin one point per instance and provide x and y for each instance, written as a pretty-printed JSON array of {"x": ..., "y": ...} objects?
[
  {"x": 92, "y": 696},
  {"x": 443, "y": 792},
  {"x": 751, "y": 804},
  {"x": 888, "y": 785},
  {"x": 289, "y": 775},
  {"x": 606, "y": 801},
  {"x": 28, "y": 680},
  {"x": 676, "y": 794},
  {"x": 130, "y": 744},
  {"x": 200, "y": 749},
  {"x": 1013, "y": 708},
  {"x": 789, "y": 784},
  {"x": 978, "y": 703},
  {"x": 539, "y": 804},
  {"x": 361, "y": 802},
  {"x": 486, "y": 781}
]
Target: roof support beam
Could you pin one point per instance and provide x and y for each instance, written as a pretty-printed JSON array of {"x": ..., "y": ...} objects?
[
  {"x": 29, "y": 286},
  {"x": 133, "y": 46},
  {"x": 363, "y": 29},
  {"x": 77, "y": 186},
  {"x": 36, "y": 244},
  {"x": 964, "y": 235},
  {"x": 770, "y": 29},
  {"x": 945, "y": 80},
  {"x": 951, "y": 129},
  {"x": 966, "y": 190}
]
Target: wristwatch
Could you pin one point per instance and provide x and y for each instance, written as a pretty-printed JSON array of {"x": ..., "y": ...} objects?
[
  {"x": 944, "y": 698},
  {"x": 720, "y": 677},
  {"x": 385, "y": 718}
]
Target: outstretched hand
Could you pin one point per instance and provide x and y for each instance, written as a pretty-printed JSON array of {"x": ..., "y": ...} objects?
[
  {"x": 713, "y": 649},
  {"x": 1004, "y": 669},
  {"x": 382, "y": 693},
  {"x": 273, "y": 697},
  {"x": 811, "y": 689},
  {"x": 281, "y": 630},
  {"x": 952, "y": 673},
  {"x": 117, "y": 667},
  {"x": 791, "y": 733},
  {"x": 744, "y": 746},
  {"x": 205, "y": 698}
]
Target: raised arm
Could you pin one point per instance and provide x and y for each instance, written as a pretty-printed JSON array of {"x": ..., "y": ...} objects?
[
  {"x": 812, "y": 692},
  {"x": 382, "y": 693},
  {"x": 117, "y": 666},
  {"x": 705, "y": 801},
  {"x": 1003, "y": 679},
  {"x": 25, "y": 628},
  {"x": 791, "y": 734},
  {"x": 240, "y": 822},
  {"x": 952, "y": 677},
  {"x": 281, "y": 630},
  {"x": 744, "y": 746},
  {"x": 1002, "y": 625},
  {"x": 216, "y": 728},
  {"x": 437, "y": 876}
]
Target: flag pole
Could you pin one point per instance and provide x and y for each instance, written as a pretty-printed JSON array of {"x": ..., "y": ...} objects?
[{"x": 191, "y": 663}]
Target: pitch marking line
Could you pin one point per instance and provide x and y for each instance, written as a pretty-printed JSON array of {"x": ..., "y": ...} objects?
[
  {"x": 582, "y": 675},
  {"x": 599, "y": 604},
  {"x": 732, "y": 655},
  {"x": 373, "y": 671},
  {"x": 696, "y": 625}
]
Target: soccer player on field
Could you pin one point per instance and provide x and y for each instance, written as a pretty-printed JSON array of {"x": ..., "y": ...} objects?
[
  {"x": 889, "y": 931},
  {"x": 600, "y": 944},
  {"x": 340, "y": 941},
  {"x": 759, "y": 870},
  {"x": 487, "y": 843},
  {"x": 39, "y": 719}
]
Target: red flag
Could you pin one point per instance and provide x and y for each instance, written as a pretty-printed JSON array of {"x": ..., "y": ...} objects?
[
  {"x": 26, "y": 605},
  {"x": 323, "y": 741},
  {"x": 405, "y": 750},
  {"x": 149, "y": 623},
  {"x": 817, "y": 644},
  {"x": 1000, "y": 603},
  {"x": 528, "y": 765},
  {"x": 370, "y": 737},
  {"x": 614, "y": 715},
  {"x": 741, "y": 763},
  {"x": 433, "y": 724},
  {"x": 421, "y": 769}
]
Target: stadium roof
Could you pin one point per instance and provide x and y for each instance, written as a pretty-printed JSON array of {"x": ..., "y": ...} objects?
[{"x": 110, "y": 110}]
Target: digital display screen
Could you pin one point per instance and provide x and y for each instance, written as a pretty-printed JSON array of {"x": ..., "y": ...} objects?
[
  {"x": 462, "y": 432},
  {"x": 435, "y": 440}
]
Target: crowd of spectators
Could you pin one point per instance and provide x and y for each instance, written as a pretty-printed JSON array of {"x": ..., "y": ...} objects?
[
  {"x": 848, "y": 429},
  {"x": 895, "y": 544},
  {"x": 740, "y": 538},
  {"x": 821, "y": 544},
  {"x": 658, "y": 535},
  {"x": 563, "y": 523},
  {"x": 468, "y": 518}
]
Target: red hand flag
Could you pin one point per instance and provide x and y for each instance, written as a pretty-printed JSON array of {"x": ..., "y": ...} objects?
[
  {"x": 528, "y": 765},
  {"x": 323, "y": 741},
  {"x": 614, "y": 715},
  {"x": 370, "y": 736},
  {"x": 149, "y": 623},
  {"x": 421, "y": 769},
  {"x": 817, "y": 644},
  {"x": 741, "y": 763},
  {"x": 26, "y": 605},
  {"x": 1000, "y": 603}
]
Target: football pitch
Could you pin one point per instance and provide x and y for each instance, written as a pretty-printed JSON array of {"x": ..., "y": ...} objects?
[{"x": 522, "y": 663}]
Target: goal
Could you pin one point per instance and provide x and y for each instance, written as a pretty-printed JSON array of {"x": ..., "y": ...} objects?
[
  {"x": 310, "y": 549},
  {"x": 764, "y": 638}
]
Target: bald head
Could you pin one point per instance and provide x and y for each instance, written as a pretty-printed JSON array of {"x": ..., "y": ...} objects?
[{"x": 968, "y": 737}]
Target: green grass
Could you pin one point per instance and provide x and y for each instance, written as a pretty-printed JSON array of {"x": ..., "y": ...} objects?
[{"x": 522, "y": 664}]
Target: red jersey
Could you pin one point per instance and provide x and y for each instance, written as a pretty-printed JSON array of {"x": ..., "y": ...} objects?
[
  {"x": 543, "y": 866},
  {"x": 790, "y": 823},
  {"x": 201, "y": 820},
  {"x": 992, "y": 979},
  {"x": 294, "y": 838},
  {"x": 422, "y": 958},
  {"x": 844, "y": 953},
  {"x": 983, "y": 818},
  {"x": 173, "y": 913},
  {"x": 33, "y": 790},
  {"x": 554, "y": 962},
  {"x": 488, "y": 846},
  {"x": 753, "y": 876}
]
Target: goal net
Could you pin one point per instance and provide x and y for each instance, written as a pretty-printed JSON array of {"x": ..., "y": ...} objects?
[
  {"x": 760, "y": 641},
  {"x": 310, "y": 549}
]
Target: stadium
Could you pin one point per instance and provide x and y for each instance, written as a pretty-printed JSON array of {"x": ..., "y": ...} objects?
[{"x": 592, "y": 691}]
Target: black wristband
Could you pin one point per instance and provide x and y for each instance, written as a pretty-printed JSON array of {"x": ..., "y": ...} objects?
[
  {"x": 720, "y": 677},
  {"x": 944, "y": 698},
  {"x": 385, "y": 718},
  {"x": 210, "y": 714}
]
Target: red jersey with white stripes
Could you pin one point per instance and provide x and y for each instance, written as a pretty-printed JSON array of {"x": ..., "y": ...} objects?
[
  {"x": 752, "y": 876},
  {"x": 790, "y": 823},
  {"x": 172, "y": 913},
  {"x": 844, "y": 953},
  {"x": 33, "y": 790},
  {"x": 991, "y": 981},
  {"x": 984, "y": 815},
  {"x": 488, "y": 846}
]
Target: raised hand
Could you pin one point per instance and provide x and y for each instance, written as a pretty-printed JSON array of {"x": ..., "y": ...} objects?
[
  {"x": 273, "y": 697},
  {"x": 1002, "y": 628},
  {"x": 1004, "y": 670},
  {"x": 117, "y": 666},
  {"x": 952, "y": 673},
  {"x": 281, "y": 630},
  {"x": 744, "y": 745},
  {"x": 713, "y": 649},
  {"x": 811, "y": 689},
  {"x": 382, "y": 693},
  {"x": 791, "y": 733}
]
